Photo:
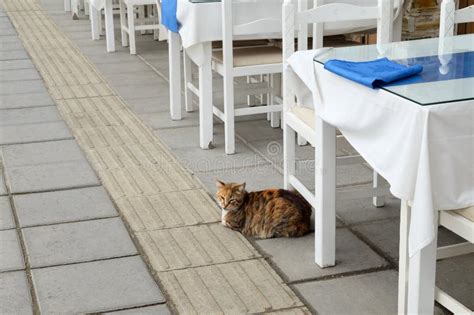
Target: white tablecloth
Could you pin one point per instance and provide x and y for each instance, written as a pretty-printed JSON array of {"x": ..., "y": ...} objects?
[
  {"x": 426, "y": 153},
  {"x": 202, "y": 22}
]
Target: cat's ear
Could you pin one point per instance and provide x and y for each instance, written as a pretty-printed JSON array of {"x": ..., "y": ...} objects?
[
  {"x": 220, "y": 184},
  {"x": 241, "y": 187}
]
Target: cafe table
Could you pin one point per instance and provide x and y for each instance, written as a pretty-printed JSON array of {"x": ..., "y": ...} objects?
[
  {"x": 417, "y": 133},
  {"x": 201, "y": 23}
]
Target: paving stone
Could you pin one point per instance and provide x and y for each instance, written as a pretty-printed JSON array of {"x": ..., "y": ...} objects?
[
  {"x": 14, "y": 87},
  {"x": 242, "y": 287},
  {"x": 45, "y": 177},
  {"x": 105, "y": 137},
  {"x": 104, "y": 57},
  {"x": 257, "y": 178},
  {"x": 149, "y": 105},
  {"x": 8, "y": 45},
  {"x": 154, "y": 88},
  {"x": 149, "y": 77},
  {"x": 374, "y": 293},
  {"x": 351, "y": 255},
  {"x": 63, "y": 206},
  {"x": 258, "y": 130},
  {"x": 198, "y": 160},
  {"x": 77, "y": 242},
  {"x": 455, "y": 277},
  {"x": 356, "y": 211},
  {"x": 42, "y": 153},
  {"x": 161, "y": 309},
  {"x": 183, "y": 137},
  {"x": 161, "y": 120},
  {"x": 34, "y": 133},
  {"x": 3, "y": 189},
  {"x": 13, "y": 54},
  {"x": 145, "y": 181},
  {"x": 11, "y": 258},
  {"x": 6, "y": 215},
  {"x": 19, "y": 75},
  {"x": 167, "y": 210},
  {"x": 15, "y": 294},
  {"x": 194, "y": 246},
  {"x": 25, "y": 100},
  {"x": 95, "y": 286},
  {"x": 122, "y": 67},
  {"x": 15, "y": 64},
  {"x": 386, "y": 235},
  {"x": 29, "y": 115}
]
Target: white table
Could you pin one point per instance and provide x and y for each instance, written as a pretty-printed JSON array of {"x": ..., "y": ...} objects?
[
  {"x": 420, "y": 137},
  {"x": 201, "y": 24}
]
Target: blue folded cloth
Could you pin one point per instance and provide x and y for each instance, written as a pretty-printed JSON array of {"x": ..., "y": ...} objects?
[
  {"x": 168, "y": 15},
  {"x": 373, "y": 73}
]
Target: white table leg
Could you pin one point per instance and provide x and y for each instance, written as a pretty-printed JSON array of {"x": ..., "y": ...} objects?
[
  {"x": 188, "y": 78},
  {"x": 421, "y": 279},
  {"x": 403, "y": 257},
  {"x": 109, "y": 26},
  {"x": 175, "y": 75},
  {"x": 205, "y": 98},
  {"x": 325, "y": 194},
  {"x": 95, "y": 24}
]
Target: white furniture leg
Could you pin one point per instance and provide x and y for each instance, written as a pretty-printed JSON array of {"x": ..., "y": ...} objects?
[
  {"x": 325, "y": 194},
  {"x": 289, "y": 147},
  {"x": 377, "y": 201},
  {"x": 403, "y": 257},
  {"x": 131, "y": 29},
  {"x": 229, "y": 118},
  {"x": 109, "y": 26},
  {"x": 86, "y": 9},
  {"x": 205, "y": 99},
  {"x": 175, "y": 75},
  {"x": 94, "y": 16},
  {"x": 188, "y": 77},
  {"x": 275, "y": 116},
  {"x": 123, "y": 23},
  {"x": 421, "y": 278},
  {"x": 75, "y": 9},
  {"x": 67, "y": 5}
]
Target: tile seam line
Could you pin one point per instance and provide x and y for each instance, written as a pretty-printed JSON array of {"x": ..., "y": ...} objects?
[{"x": 91, "y": 68}]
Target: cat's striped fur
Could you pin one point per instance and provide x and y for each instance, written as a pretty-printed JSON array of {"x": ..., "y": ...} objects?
[{"x": 264, "y": 214}]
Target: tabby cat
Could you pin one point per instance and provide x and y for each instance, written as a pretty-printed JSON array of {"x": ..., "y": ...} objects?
[{"x": 265, "y": 214}]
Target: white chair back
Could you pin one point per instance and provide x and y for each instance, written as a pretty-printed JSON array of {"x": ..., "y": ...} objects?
[{"x": 449, "y": 17}]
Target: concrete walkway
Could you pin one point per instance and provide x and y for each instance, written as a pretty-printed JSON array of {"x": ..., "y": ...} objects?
[{"x": 200, "y": 266}]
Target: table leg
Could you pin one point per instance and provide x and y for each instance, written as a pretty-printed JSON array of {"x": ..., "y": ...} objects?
[
  {"x": 109, "y": 26},
  {"x": 205, "y": 98},
  {"x": 325, "y": 194},
  {"x": 175, "y": 75},
  {"x": 403, "y": 257},
  {"x": 421, "y": 279}
]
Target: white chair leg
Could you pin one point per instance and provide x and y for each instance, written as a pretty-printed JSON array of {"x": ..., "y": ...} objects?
[
  {"x": 123, "y": 23},
  {"x": 86, "y": 8},
  {"x": 188, "y": 76},
  {"x": 377, "y": 201},
  {"x": 301, "y": 141},
  {"x": 289, "y": 147},
  {"x": 403, "y": 257},
  {"x": 141, "y": 17},
  {"x": 274, "y": 116},
  {"x": 205, "y": 100},
  {"x": 131, "y": 29},
  {"x": 109, "y": 25},
  {"x": 94, "y": 16},
  {"x": 67, "y": 5},
  {"x": 229, "y": 123},
  {"x": 75, "y": 9}
]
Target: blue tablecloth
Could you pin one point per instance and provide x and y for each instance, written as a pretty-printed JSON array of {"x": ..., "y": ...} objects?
[{"x": 373, "y": 73}]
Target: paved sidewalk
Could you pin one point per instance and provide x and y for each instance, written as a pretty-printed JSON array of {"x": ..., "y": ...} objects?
[
  {"x": 201, "y": 266},
  {"x": 64, "y": 247}
]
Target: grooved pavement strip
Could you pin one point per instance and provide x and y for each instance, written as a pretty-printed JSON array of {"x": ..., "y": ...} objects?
[{"x": 202, "y": 266}]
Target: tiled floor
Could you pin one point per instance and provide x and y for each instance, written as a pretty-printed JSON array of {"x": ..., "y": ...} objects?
[{"x": 365, "y": 279}]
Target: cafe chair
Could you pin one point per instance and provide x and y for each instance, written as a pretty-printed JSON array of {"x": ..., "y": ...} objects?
[
  {"x": 303, "y": 121},
  {"x": 129, "y": 23},
  {"x": 233, "y": 62}
]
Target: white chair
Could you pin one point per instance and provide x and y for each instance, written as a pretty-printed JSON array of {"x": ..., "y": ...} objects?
[
  {"x": 303, "y": 121},
  {"x": 460, "y": 222},
  {"x": 233, "y": 62},
  {"x": 96, "y": 8},
  {"x": 128, "y": 20}
]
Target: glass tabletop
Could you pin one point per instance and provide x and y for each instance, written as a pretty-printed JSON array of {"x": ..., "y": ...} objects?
[{"x": 448, "y": 67}]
